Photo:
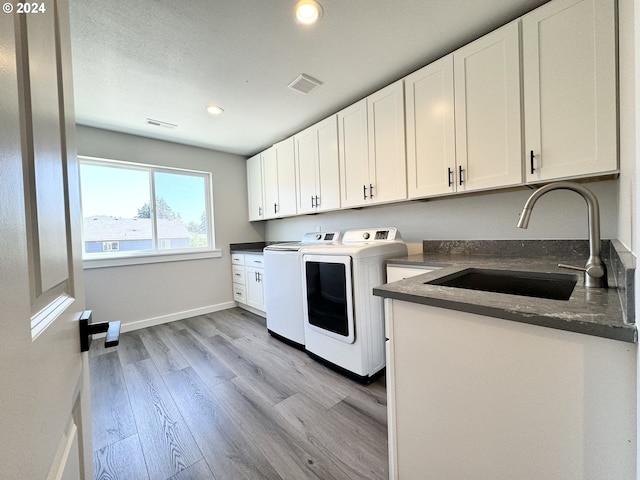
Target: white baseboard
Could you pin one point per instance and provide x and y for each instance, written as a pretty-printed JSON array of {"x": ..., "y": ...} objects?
[
  {"x": 150, "y": 322},
  {"x": 252, "y": 310}
]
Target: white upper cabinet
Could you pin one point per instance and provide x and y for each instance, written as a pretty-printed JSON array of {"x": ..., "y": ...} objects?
[
  {"x": 488, "y": 111},
  {"x": 372, "y": 149},
  {"x": 354, "y": 154},
  {"x": 317, "y": 167},
  {"x": 278, "y": 167},
  {"x": 255, "y": 188},
  {"x": 270, "y": 182},
  {"x": 387, "y": 153},
  {"x": 569, "y": 64},
  {"x": 431, "y": 149}
]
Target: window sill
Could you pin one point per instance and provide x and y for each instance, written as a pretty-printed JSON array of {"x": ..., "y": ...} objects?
[{"x": 146, "y": 259}]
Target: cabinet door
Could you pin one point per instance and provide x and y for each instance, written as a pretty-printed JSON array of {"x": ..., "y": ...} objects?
[
  {"x": 488, "y": 112},
  {"x": 354, "y": 155},
  {"x": 306, "y": 169},
  {"x": 254, "y": 286},
  {"x": 286, "y": 177},
  {"x": 387, "y": 158},
  {"x": 431, "y": 149},
  {"x": 255, "y": 188},
  {"x": 569, "y": 55},
  {"x": 270, "y": 181},
  {"x": 328, "y": 177}
]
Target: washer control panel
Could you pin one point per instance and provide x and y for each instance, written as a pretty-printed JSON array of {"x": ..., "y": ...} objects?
[{"x": 371, "y": 235}]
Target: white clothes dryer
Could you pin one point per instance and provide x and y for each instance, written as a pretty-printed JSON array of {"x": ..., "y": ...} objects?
[{"x": 343, "y": 321}]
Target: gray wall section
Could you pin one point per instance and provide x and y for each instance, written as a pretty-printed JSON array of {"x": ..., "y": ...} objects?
[
  {"x": 153, "y": 293},
  {"x": 486, "y": 216}
]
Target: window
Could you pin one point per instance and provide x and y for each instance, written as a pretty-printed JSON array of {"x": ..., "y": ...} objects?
[{"x": 134, "y": 210}]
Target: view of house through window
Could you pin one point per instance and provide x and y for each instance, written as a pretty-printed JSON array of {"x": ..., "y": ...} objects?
[{"x": 133, "y": 209}]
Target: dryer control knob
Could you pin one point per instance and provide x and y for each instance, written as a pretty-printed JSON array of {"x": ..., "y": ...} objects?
[{"x": 366, "y": 235}]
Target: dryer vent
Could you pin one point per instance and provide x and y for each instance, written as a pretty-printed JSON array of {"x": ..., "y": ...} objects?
[{"x": 304, "y": 84}]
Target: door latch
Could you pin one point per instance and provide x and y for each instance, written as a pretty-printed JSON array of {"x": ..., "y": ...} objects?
[{"x": 87, "y": 329}]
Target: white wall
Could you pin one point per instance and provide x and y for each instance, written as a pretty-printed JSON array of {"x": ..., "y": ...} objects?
[
  {"x": 147, "y": 294},
  {"x": 627, "y": 224},
  {"x": 488, "y": 216}
]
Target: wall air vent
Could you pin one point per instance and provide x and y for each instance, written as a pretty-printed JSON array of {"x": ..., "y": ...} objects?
[
  {"x": 159, "y": 123},
  {"x": 304, "y": 84}
]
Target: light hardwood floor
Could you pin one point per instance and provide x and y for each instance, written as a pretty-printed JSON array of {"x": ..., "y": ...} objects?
[{"x": 215, "y": 397}]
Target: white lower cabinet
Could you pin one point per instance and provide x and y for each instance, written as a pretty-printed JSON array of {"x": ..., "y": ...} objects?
[
  {"x": 476, "y": 397},
  {"x": 248, "y": 278}
]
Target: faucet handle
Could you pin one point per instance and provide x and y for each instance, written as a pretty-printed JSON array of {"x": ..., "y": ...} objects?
[
  {"x": 593, "y": 270},
  {"x": 571, "y": 267}
]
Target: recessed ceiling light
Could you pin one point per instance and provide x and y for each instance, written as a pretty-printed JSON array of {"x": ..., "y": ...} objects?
[
  {"x": 214, "y": 109},
  {"x": 308, "y": 11}
]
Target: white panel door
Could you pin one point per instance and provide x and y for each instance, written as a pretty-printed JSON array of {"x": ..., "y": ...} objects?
[
  {"x": 285, "y": 155},
  {"x": 328, "y": 186},
  {"x": 45, "y": 424},
  {"x": 569, "y": 62},
  {"x": 255, "y": 188},
  {"x": 488, "y": 111},
  {"x": 354, "y": 155},
  {"x": 387, "y": 158},
  {"x": 431, "y": 149}
]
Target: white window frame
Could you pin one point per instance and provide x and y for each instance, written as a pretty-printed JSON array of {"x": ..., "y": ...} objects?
[{"x": 158, "y": 255}]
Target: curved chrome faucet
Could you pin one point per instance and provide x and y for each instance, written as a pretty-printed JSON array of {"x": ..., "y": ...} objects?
[{"x": 595, "y": 272}]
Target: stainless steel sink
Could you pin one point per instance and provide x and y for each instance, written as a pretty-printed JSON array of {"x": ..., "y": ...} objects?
[{"x": 555, "y": 286}]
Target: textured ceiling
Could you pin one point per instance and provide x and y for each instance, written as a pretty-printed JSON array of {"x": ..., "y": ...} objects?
[{"x": 167, "y": 60}]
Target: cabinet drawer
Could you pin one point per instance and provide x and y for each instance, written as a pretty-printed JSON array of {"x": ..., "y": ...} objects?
[
  {"x": 239, "y": 293},
  {"x": 238, "y": 274},
  {"x": 237, "y": 259},
  {"x": 254, "y": 261}
]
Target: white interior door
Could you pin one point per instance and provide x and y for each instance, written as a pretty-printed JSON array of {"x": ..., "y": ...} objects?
[{"x": 44, "y": 425}]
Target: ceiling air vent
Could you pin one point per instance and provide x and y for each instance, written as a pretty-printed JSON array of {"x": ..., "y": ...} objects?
[
  {"x": 304, "y": 84},
  {"x": 160, "y": 123}
]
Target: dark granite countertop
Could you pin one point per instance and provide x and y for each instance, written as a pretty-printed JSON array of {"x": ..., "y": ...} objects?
[
  {"x": 248, "y": 247},
  {"x": 598, "y": 312},
  {"x": 253, "y": 251}
]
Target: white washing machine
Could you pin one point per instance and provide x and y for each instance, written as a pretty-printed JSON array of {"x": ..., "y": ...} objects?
[
  {"x": 343, "y": 321},
  {"x": 283, "y": 286}
]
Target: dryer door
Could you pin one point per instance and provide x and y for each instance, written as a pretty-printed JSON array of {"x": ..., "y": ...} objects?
[{"x": 328, "y": 296}]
